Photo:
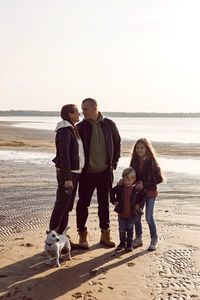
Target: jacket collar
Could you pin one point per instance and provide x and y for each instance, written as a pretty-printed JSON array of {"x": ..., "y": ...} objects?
[{"x": 63, "y": 124}]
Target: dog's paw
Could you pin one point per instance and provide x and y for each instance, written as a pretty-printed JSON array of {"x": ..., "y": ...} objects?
[{"x": 57, "y": 265}]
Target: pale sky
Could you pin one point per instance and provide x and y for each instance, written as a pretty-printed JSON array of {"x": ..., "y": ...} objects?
[{"x": 131, "y": 56}]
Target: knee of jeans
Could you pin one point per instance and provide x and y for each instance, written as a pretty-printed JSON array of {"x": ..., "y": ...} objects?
[{"x": 149, "y": 219}]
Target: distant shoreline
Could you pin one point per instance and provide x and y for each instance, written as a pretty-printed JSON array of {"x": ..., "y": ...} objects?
[{"x": 28, "y": 113}]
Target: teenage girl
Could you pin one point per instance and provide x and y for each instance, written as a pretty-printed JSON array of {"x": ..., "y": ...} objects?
[{"x": 148, "y": 175}]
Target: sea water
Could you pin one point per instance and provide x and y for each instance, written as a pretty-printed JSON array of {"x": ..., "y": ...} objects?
[
  {"x": 185, "y": 166},
  {"x": 175, "y": 130}
]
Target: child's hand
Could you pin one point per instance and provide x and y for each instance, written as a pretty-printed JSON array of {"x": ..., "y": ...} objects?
[
  {"x": 116, "y": 203},
  {"x": 139, "y": 185},
  {"x": 120, "y": 182}
]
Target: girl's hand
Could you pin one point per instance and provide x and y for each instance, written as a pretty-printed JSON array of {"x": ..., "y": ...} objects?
[
  {"x": 68, "y": 184},
  {"x": 139, "y": 185},
  {"x": 116, "y": 203},
  {"x": 120, "y": 182}
]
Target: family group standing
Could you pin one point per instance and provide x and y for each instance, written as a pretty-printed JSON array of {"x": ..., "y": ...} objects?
[{"x": 86, "y": 155}]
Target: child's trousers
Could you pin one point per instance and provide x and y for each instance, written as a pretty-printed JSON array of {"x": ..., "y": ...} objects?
[{"x": 126, "y": 230}]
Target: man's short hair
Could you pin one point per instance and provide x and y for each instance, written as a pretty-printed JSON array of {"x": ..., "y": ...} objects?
[
  {"x": 129, "y": 172},
  {"x": 92, "y": 101}
]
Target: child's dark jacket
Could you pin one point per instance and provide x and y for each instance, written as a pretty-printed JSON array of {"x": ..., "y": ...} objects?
[{"x": 117, "y": 195}]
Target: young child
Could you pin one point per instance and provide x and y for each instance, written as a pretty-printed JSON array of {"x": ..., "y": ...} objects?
[
  {"x": 148, "y": 175},
  {"x": 128, "y": 202}
]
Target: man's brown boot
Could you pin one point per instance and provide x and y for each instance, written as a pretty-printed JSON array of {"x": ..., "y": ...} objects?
[
  {"x": 83, "y": 243},
  {"x": 106, "y": 238}
]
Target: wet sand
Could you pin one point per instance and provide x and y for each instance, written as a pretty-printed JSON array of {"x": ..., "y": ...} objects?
[{"x": 27, "y": 198}]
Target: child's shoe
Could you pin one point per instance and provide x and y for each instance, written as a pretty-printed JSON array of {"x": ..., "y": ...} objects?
[
  {"x": 120, "y": 246},
  {"x": 129, "y": 248}
]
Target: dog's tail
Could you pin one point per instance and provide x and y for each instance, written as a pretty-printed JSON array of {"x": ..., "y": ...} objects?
[{"x": 64, "y": 232}]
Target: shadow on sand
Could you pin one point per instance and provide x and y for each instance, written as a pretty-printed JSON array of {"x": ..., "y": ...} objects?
[{"x": 18, "y": 282}]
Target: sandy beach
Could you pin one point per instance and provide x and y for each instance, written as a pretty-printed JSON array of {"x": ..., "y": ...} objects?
[{"x": 27, "y": 198}]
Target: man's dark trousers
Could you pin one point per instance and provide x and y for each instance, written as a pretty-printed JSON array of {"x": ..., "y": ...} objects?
[{"x": 87, "y": 184}]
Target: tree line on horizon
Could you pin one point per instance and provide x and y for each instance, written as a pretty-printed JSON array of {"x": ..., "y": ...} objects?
[{"x": 30, "y": 113}]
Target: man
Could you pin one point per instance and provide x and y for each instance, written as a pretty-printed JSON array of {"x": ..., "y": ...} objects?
[{"x": 101, "y": 143}]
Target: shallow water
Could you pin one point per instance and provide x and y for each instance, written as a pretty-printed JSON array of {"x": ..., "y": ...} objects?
[
  {"x": 183, "y": 165},
  {"x": 186, "y": 166}
]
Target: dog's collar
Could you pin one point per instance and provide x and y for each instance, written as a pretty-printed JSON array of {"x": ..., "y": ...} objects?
[{"x": 49, "y": 244}]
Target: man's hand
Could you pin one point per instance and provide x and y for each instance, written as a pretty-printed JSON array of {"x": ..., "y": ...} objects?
[{"x": 116, "y": 203}]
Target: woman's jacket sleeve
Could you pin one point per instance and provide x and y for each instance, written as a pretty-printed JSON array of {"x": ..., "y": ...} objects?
[{"x": 64, "y": 152}]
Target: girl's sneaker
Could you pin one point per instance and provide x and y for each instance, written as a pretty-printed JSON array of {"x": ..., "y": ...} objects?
[
  {"x": 137, "y": 242},
  {"x": 120, "y": 246},
  {"x": 153, "y": 244}
]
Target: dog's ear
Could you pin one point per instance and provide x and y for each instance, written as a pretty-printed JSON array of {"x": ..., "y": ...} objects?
[{"x": 47, "y": 231}]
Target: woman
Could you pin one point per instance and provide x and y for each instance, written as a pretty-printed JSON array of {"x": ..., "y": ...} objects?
[{"x": 69, "y": 162}]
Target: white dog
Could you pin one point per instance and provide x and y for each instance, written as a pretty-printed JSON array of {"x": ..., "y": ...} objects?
[{"x": 54, "y": 243}]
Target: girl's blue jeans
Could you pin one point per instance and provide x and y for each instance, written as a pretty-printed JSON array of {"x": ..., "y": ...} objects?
[
  {"x": 149, "y": 218},
  {"x": 126, "y": 230}
]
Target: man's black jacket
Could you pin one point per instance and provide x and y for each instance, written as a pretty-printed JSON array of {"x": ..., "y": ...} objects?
[{"x": 112, "y": 140}]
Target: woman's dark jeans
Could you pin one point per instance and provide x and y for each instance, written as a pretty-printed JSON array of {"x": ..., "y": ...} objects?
[{"x": 64, "y": 203}]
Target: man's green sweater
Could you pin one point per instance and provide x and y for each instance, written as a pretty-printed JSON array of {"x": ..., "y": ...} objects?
[{"x": 98, "y": 161}]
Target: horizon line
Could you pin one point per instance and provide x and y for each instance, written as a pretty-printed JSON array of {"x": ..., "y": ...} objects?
[{"x": 116, "y": 112}]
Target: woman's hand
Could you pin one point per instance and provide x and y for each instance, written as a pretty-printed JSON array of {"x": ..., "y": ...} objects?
[
  {"x": 139, "y": 185},
  {"x": 68, "y": 184},
  {"x": 116, "y": 203},
  {"x": 137, "y": 206}
]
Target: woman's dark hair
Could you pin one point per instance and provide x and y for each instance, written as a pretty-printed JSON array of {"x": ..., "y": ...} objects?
[
  {"x": 65, "y": 111},
  {"x": 150, "y": 154}
]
